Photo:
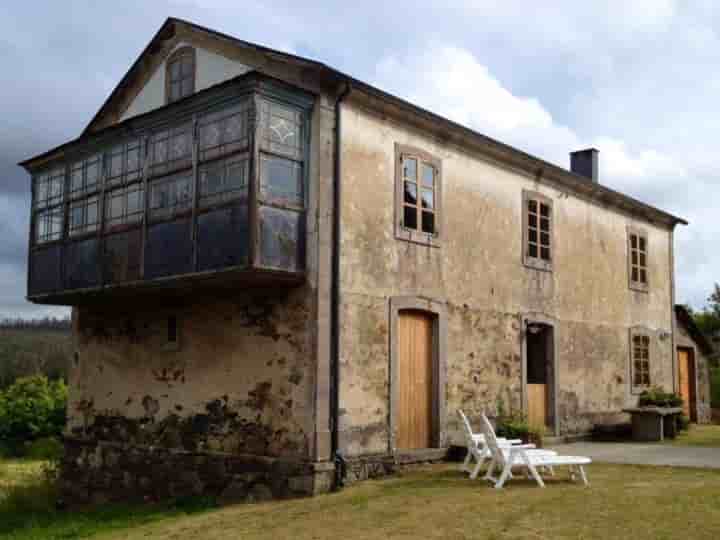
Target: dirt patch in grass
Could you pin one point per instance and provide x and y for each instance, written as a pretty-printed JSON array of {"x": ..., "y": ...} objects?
[{"x": 438, "y": 502}]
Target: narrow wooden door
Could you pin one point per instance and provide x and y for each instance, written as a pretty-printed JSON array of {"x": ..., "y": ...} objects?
[
  {"x": 686, "y": 380},
  {"x": 415, "y": 380},
  {"x": 537, "y": 405}
]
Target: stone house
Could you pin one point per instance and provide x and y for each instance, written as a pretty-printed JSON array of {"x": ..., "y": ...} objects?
[{"x": 282, "y": 276}]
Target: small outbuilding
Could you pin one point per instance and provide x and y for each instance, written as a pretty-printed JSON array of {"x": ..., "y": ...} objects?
[{"x": 694, "y": 351}]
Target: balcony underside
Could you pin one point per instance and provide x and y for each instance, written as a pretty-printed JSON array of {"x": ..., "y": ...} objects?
[{"x": 213, "y": 282}]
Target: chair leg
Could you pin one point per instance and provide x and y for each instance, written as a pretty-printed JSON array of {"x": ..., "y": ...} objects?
[
  {"x": 465, "y": 467},
  {"x": 489, "y": 473},
  {"x": 476, "y": 469},
  {"x": 536, "y": 475},
  {"x": 583, "y": 475},
  {"x": 504, "y": 476}
]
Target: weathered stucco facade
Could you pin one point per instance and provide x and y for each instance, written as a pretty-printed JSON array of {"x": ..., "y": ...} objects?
[
  {"x": 477, "y": 271},
  {"x": 273, "y": 387}
]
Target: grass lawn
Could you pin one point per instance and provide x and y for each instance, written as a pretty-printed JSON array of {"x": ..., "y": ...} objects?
[
  {"x": 432, "y": 502},
  {"x": 699, "y": 435}
]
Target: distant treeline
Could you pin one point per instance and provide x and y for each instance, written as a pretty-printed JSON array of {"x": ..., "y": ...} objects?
[
  {"x": 34, "y": 347},
  {"x": 46, "y": 323}
]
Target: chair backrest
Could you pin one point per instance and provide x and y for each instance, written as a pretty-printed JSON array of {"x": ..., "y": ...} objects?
[
  {"x": 491, "y": 441},
  {"x": 467, "y": 429}
]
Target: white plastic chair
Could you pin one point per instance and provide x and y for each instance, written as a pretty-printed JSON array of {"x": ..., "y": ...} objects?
[
  {"x": 505, "y": 458},
  {"x": 478, "y": 450}
]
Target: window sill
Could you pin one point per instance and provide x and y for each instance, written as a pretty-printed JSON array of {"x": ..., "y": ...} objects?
[
  {"x": 637, "y": 287},
  {"x": 414, "y": 237},
  {"x": 535, "y": 264},
  {"x": 637, "y": 390}
]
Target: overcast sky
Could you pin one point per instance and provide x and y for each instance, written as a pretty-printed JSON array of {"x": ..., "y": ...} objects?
[{"x": 638, "y": 79}]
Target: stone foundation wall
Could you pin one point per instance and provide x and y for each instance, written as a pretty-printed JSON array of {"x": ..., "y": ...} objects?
[{"x": 99, "y": 472}]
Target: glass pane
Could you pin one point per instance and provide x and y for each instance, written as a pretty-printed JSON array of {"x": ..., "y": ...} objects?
[
  {"x": 643, "y": 262},
  {"x": 410, "y": 169},
  {"x": 210, "y": 135},
  {"x": 76, "y": 179},
  {"x": 533, "y": 235},
  {"x": 211, "y": 179},
  {"x": 186, "y": 66},
  {"x": 532, "y": 206},
  {"x": 544, "y": 210},
  {"x": 545, "y": 239},
  {"x": 281, "y": 238},
  {"x": 410, "y": 193},
  {"x": 545, "y": 253},
  {"x": 544, "y": 224},
  {"x": 410, "y": 217},
  {"x": 633, "y": 241},
  {"x": 76, "y": 216},
  {"x": 635, "y": 276},
  {"x": 532, "y": 251},
  {"x": 134, "y": 201},
  {"x": 186, "y": 87},
  {"x": 642, "y": 244},
  {"x": 175, "y": 70},
  {"x": 92, "y": 173},
  {"x": 237, "y": 175},
  {"x": 634, "y": 257},
  {"x": 281, "y": 129},
  {"x": 133, "y": 159},
  {"x": 646, "y": 341},
  {"x": 643, "y": 276},
  {"x": 92, "y": 212},
  {"x": 171, "y": 195},
  {"x": 428, "y": 222},
  {"x": 428, "y": 199},
  {"x": 116, "y": 164},
  {"x": 428, "y": 175},
  {"x": 281, "y": 180},
  {"x": 234, "y": 128},
  {"x": 115, "y": 208}
]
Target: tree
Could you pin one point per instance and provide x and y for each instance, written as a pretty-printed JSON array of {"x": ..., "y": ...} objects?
[{"x": 708, "y": 319}]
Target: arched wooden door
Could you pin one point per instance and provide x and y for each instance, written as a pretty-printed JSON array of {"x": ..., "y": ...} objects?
[{"x": 415, "y": 380}]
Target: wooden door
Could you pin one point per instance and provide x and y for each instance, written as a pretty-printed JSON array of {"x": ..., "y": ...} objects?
[
  {"x": 415, "y": 380},
  {"x": 537, "y": 405},
  {"x": 686, "y": 379}
]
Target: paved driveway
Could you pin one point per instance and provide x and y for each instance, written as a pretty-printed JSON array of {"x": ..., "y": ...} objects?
[{"x": 644, "y": 454}]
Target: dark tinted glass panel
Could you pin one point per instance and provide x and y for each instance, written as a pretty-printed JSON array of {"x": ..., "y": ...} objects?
[
  {"x": 281, "y": 181},
  {"x": 171, "y": 149},
  {"x": 223, "y": 180},
  {"x": 281, "y": 238},
  {"x": 428, "y": 222},
  {"x": 223, "y": 238},
  {"x": 224, "y": 131},
  {"x": 49, "y": 225},
  {"x": 169, "y": 249},
  {"x": 410, "y": 217},
  {"x": 82, "y": 264},
  {"x": 45, "y": 270},
  {"x": 121, "y": 257},
  {"x": 410, "y": 193},
  {"x": 170, "y": 195}
]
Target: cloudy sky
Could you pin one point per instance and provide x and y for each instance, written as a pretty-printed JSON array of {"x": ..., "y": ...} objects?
[{"x": 638, "y": 79}]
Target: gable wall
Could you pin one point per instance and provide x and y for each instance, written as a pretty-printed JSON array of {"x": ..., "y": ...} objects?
[
  {"x": 211, "y": 69},
  {"x": 478, "y": 273}
]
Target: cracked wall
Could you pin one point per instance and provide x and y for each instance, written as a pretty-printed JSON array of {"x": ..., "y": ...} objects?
[{"x": 478, "y": 273}]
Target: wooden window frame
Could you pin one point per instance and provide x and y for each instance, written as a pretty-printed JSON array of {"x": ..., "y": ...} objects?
[
  {"x": 538, "y": 262},
  {"x": 186, "y": 51},
  {"x": 641, "y": 333},
  {"x": 638, "y": 285},
  {"x": 417, "y": 235}
]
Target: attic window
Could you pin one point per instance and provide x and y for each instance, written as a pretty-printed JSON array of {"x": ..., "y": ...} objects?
[{"x": 180, "y": 74}]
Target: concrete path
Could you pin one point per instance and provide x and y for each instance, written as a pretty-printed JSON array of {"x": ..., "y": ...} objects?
[{"x": 644, "y": 454}]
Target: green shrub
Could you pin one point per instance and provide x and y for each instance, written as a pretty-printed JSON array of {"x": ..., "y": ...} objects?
[
  {"x": 657, "y": 397},
  {"x": 32, "y": 408},
  {"x": 683, "y": 422},
  {"x": 47, "y": 448}
]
